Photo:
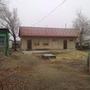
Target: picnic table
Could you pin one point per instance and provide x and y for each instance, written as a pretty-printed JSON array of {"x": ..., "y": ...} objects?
[{"x": 48, "y": 56}]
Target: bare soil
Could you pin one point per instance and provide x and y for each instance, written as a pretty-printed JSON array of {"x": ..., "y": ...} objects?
[{"x": 31, "y": 72}]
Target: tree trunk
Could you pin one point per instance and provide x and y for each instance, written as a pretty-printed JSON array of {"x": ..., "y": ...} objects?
[
  {"x": 15, "y": 47},
  {"x": 80, "y": 42},
  {"x": 81, "y": 38}
]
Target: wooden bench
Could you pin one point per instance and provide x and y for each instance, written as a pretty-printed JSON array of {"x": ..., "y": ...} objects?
[{"x": 48, "y": 56}]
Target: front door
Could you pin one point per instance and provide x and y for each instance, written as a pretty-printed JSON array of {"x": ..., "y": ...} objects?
[
  {"x": 29, "y": 45},
  {"x": 65, "y": 44}
]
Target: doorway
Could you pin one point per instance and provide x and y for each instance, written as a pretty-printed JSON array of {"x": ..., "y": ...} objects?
[
  {"x": 29, "y": 45},
  {"x": 65, "y": 44}
]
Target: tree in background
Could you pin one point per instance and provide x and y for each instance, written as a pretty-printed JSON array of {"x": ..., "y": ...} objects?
[
  {"x": 2, "y": 2},
  {"x": 82, "y": 24},
  {"x": 10, "y": 20}
]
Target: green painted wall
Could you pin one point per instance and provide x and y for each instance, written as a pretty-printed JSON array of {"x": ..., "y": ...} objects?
[{"x": 5, "y": 48}]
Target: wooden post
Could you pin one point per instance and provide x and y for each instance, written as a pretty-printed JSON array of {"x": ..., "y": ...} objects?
[{"x": 88, "y": 63}]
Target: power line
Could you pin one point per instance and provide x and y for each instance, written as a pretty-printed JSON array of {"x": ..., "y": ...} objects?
[{"x": 50, "y": 12}]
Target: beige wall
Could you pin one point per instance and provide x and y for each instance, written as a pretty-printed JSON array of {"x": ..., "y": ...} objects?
[
  {"x": 53, "y": 43},
  {"x": 71, "y": 44},
  {"x": 57, "y": 43},
  {"x": 24, "y": 44}
]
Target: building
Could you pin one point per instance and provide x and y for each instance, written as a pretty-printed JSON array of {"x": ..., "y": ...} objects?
[
  {"x": 37, "y": 38},
  {"x": 4, "y": 41}
]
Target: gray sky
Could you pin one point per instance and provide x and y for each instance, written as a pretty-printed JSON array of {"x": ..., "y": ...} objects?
[{"x": 31, "y": 11}]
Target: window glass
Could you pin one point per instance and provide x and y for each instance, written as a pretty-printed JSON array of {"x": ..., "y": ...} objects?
[
  {"x": 36, "y": 43},
  {"x": 45, "y": 42}
]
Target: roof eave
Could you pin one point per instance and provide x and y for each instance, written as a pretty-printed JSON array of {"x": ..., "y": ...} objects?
[{"x": 50, "y": 36}]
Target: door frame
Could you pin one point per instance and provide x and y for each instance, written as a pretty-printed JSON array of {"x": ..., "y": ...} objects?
[
  {"x": 64, "y": 44},
  {"x": 29, "y": 44}
]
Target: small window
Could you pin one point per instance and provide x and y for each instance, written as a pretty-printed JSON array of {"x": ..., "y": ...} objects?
[
  {"x": 2, "y": 43},
  {"x": 36, "y": 43},
  {"x": 45, "y": 44}
]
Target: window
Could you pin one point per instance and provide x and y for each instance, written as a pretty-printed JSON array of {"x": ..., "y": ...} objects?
[
  {"x": 36, "y": 43},
  {"x": 45, "y": 44},
  {"x": 2, "y": 39}
]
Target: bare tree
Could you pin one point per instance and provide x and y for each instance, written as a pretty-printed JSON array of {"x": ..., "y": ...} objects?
[
  {"x": 1, "y": 2},
  {"x": 82, "y": 24},
  {"x": 10, "y": 20}
]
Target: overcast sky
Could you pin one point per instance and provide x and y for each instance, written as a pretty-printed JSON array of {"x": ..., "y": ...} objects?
[{"x": 32, "y": 11}]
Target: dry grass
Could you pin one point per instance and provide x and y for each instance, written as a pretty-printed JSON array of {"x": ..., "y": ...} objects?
[
  {"x": 70, "y": 55},
  {"x": 30, "y": 72}
]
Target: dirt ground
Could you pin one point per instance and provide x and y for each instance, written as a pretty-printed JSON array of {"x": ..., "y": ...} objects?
[{"x": 30, "y": 72}]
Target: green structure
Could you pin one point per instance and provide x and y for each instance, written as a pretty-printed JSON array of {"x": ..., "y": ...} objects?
[{"x": 4, "y": 41}]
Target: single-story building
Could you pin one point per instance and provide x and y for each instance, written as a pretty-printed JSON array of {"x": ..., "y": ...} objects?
[
  {"x": 40, "y": 38},
  {"x": 4, "y": 41}
]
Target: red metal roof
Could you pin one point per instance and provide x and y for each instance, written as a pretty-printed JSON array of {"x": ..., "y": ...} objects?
[{"x": 47, "y": 32}]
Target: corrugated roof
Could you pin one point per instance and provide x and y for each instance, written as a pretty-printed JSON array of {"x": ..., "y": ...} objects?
[{"x": 48, "y": 32}]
